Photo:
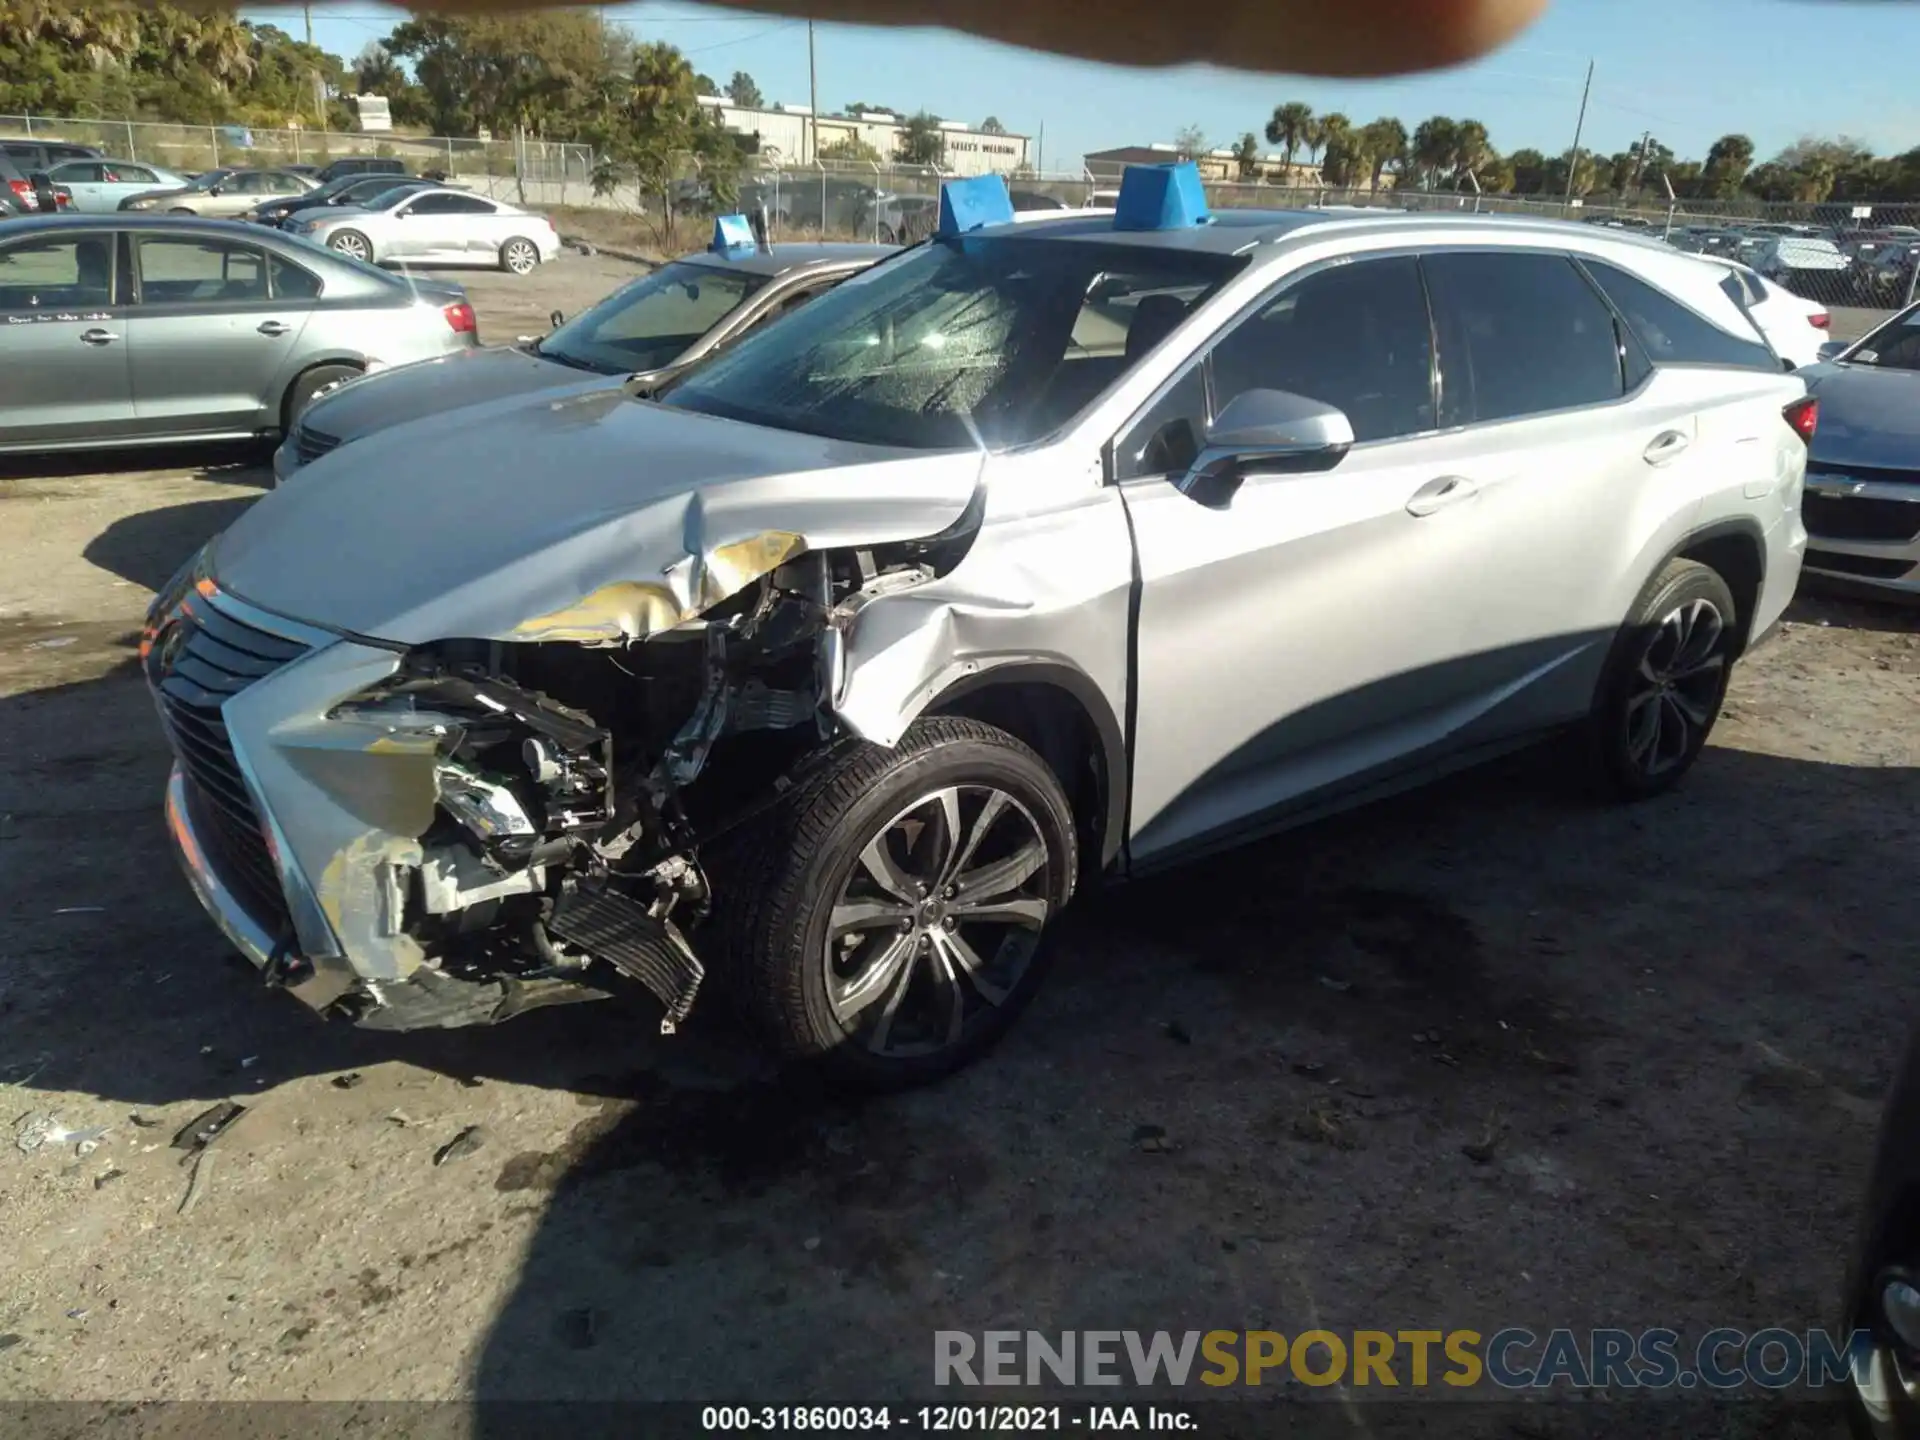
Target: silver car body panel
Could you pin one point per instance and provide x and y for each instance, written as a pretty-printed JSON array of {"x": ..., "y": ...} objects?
[
  {"x": 1310, "y": 644},
  {"x": 103, "y": 196}
]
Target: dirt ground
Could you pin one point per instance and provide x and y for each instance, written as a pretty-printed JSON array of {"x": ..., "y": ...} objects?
[{"x": 1483, "y": 1056}]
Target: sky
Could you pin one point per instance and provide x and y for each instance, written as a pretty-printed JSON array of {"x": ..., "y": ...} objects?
[{"x": 1686, "y": 70}]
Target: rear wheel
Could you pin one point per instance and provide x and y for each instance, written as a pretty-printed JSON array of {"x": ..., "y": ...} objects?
[
  {"x": 1665, "y": 681},
  {"x": 309, "y": 387},
  {"x": 519, "y": 255},
  {"x": 891, "y": 918},
  {"x": 352, "y": 244},
  {"x": 179, "y": 210}
]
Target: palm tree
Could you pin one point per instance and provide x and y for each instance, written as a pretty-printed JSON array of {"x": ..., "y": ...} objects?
[
  {"x": 1333, "y": 131},
  {"x": 224, "y": 47},
  {"x": 1433, "y": 148},
  {"x": 1470, "y": 149},
  {"x": 1288, "y": 127},
  {"x": 1386, "y": 144}
]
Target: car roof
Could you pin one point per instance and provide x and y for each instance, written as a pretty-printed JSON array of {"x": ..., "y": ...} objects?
[
  {"x": 139, "y": 220},
  {"x": 1235, "y": 231},
  {"x": 778, "y": 259}
]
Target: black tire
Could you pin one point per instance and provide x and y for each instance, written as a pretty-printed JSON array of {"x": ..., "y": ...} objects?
[
  {"x": 519, "y": 246},
  {"x": 780, "y": 883},
  {"x": 351, "y": 242},
  {"x": 1664, "y": 682},
  {"x": 309, "y": 386},
  {"x": 885, "y": 236}
]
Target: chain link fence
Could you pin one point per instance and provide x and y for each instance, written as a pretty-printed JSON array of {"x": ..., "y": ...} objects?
[{"x": 555, "y": 173}]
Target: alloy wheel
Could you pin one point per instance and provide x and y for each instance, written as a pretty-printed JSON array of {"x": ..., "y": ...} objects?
[
  {"x": 351, "y": 245},
  {"x": 521, "y": 257},
  {"x": 938, "y": 921},
  {"x": 1676, "y": 687}
]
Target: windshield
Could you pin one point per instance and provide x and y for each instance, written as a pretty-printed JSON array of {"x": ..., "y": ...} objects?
[
  {"x": 993, "y": 342},
  {"x": 1894, "y": 346},
  {"x": 384, "y": 199},
  {"x": 649, "y": 323},
  {"x": 208, "y": 180}
]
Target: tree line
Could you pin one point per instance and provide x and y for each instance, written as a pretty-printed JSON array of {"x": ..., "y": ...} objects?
[{"x": 1443, "y": 153}]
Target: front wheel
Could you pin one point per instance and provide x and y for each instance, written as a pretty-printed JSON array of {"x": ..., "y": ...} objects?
[
  {"x": 1665, "y": 681},
  {"x": 518, "y": 256},
  {"x": 890, "y": 918},
  {"x": 352, "y": 244}
]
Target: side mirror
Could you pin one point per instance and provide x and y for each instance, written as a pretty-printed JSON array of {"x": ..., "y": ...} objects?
[
  {"x": 557, "y": 319},
  {"x": 1266, "y": 432},
  {"x": 1831, "y": 349},
  {"x": 215, "y": 189}
]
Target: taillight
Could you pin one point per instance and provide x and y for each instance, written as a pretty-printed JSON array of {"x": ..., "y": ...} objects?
[
  {"x": 1804, "y": 416},
  {"x": 1820, "y": 320},
  {"x": 25, "y": 193},
  {"x": 461, "y": 318}
]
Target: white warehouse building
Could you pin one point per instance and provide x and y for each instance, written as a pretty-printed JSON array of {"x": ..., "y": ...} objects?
[{"x": 787, "y": 135}]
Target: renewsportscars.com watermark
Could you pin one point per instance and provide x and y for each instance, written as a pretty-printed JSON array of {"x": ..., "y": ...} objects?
[{"x": 1383, "y": 1361}]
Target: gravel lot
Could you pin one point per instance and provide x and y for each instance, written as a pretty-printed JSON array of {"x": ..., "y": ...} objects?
[{"x": 1483, "y": 1056}]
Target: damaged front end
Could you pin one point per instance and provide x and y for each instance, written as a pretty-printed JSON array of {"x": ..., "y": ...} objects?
[{"x": 456, "y": 832}]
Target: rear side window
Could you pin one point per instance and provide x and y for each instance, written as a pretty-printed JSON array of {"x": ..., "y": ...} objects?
[
  {"x": 290, "y": 282},
  {"x": 1520, "y": 334},
  {"x": 1672, "y": 333}
]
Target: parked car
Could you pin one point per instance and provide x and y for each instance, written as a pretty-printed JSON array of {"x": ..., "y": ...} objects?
[
  {"x": 132, "y": 329},
  {"x": 312, "y": 172},
  {"x": 835, "y": 668},
  {"x": 408, "y": 225},
  {"x": 1882, "y": 1298},
  {"x": 1795, "y": 327},
  {"x": 360, "y": 165},
  {"x": 31, "y": 155},
  {"x": 647, "y": 332},
  {"x": 1862, "y": 506},
  {"x": 1704, "y": 240},
  {"x": 899, "y": 219},
  {"x": 221, "y": 193},
  {"x": 1805, "y": 265},
  {"x": 98, "y": 186},
  {"x": 1885, "y": 278},
  {"x": 347, "y": 192},
  {"x": 1026, "y": 200}
]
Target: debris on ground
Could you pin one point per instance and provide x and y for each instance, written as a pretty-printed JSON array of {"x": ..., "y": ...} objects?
[
  {"x": 106, "y": 1178},
  {"x": 202, "y": 1168},
  {"x": 35, "y": 1131},
  {"x": 1152, "y": 1139},
  {"x": 1323, "y": 1127},
  {"x": 347, "y": 1081},
  {"x": 143, "y": 1122},
  {"x": 1176, "y": 1032},
  {"x": 1307, "y": 1067},
  {"x": 9, "y": 1340},
  {"x": 81, "y": 910},
  {"x": 52, "y": 642},
  {"x": 1342, "y": 986},
  {"x": 461, "y": 1146},
  {"x": 1481, "y": 1152},
  {"x": 77, "y": 1314},
  {"x": 208, "y": 1125},
  {"x": 400, "y": 1118}
]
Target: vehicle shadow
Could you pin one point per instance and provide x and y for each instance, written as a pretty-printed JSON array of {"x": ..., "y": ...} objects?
[
  {"x": 236, "y": 462},
  {"x": 1832, "y": 603},
  {"x": 147, "y": 547},
  {"x": 1242, "y": 1076}
]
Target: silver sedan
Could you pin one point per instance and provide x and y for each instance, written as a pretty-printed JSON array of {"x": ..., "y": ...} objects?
[
  {"x": 437, "y": 225},
  {"x": 131, "y": 329}
]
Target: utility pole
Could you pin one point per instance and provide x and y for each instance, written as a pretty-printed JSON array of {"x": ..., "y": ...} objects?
[
  {"x": 1573, "y": 158},
  {"x": 1040, "y": 160},
  {"x": 813, "y": 102},
  {"x": 307, "y": 10}
]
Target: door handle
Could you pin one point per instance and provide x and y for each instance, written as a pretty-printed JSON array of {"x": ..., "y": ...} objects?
[
  {"x": 274, "y": 327},
  {"x": 1666, "y": 446},
  {"x": 1440, "y": 493},
  {"x": 98, "y": 337}
]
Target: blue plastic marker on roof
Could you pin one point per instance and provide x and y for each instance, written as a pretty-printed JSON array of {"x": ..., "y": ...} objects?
[
  {"x": 732, "y": 233},
  {"x": 1160, "y": 197},
  {"x": 971, "y": 204}
]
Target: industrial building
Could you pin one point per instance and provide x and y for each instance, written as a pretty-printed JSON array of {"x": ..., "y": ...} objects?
[{"x": 787, "y": 134}]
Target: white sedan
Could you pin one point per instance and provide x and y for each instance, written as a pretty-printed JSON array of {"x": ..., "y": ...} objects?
[
  {"x": 98, "y": 186},
  {"x": 1795, "y": 326},
  {"x": 414, "y": 224}
]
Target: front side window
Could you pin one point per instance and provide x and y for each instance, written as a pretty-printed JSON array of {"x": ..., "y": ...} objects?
[
  {"x": 133, "y": 175},
  {"x": 79, "y": 172},
  {"x": 649, "y": 323},
  {"x": 991, "y": 342},
  {"x": 1355, "y": 336},
  {"x": 1520, "y": 334},
  {"x": 57, "y": 272},
  {"x": 180, "y": 271},
  {"x": 1894, "y": 346},
  {"x": 1671, "y": 333}
]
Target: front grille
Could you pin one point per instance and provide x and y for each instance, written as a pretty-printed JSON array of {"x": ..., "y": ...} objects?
[
  {"x": 212, "y": 658},
  {"x": 1859, "y": 517},
  {"x": 1868, "y": 567},
  {"x": 310, "y": 444}
]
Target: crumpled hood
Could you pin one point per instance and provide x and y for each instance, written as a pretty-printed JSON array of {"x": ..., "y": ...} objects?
[
  {"x": 466, "y": 377},
  {"x": 1868, "y": 416},
  {"x": 587, "y": 516}
]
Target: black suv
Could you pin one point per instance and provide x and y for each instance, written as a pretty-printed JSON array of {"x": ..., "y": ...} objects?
[{"x": 359, "y": 165}]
